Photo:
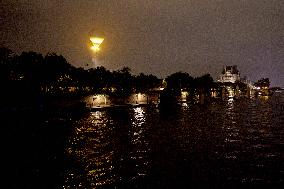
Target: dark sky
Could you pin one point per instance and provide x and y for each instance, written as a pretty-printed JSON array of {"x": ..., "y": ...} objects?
[{"x": 154, "y": 36}]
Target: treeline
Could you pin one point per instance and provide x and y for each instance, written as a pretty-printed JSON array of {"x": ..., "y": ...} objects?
[
  {"x": 52, "y": 74},
  {"x": 32, "y": 73}
]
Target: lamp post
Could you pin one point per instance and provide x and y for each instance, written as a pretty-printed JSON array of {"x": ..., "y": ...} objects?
[{"x": 96, "y": 42}]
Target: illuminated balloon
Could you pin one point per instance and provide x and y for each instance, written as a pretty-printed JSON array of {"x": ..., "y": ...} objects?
[{"x": 96, "y": 42}]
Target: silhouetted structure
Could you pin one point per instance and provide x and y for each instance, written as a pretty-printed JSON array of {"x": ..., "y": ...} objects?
[{"x": 229, "y": 74}]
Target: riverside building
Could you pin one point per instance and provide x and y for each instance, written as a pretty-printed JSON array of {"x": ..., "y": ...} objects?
[{"x": 229, "y": 74}]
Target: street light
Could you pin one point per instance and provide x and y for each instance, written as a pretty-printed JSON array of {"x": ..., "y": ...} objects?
[{"x": 96, "y": 42}]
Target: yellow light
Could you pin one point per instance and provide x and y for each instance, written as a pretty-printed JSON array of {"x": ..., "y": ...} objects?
[
  {"x": 96, "y": 42},
  {"x": 95, "y": 48},
  {"x": 184, "y": 94}
]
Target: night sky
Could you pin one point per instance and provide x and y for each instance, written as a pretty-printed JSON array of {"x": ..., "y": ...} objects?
[{"x": 154, "y": 36}]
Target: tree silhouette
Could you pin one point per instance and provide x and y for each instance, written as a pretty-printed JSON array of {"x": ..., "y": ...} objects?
[
  {"x": 56, "y": 72},
  {"x": 263, "y": 82},
  {"x": 80, "y": 79},
  {"x": 99, "y": 79},
  {"x": 6, "y": 60},
  {"x": 179, "y": 81},
  {"x": 144, "y": 83},
  {"x": 122, "y": 81},
  {"x": 30, "y": 67},
  {"x": 52, "y": 74},
  {"x": 204, "y": 84}
]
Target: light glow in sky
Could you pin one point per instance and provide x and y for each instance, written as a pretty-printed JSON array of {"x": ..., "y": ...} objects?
[{"x": 155, "y": 37}]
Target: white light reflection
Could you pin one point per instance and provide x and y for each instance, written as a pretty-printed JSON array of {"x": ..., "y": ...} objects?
[
  {"x": 184, "y": 95},
  {"x": 91, "y": 146},
  {"x": 230, "y": 100},
  {"x": 139, "y": 141},
  {"x": 97, "y": 100},
  {"x": 184, "y": 104},
  {"x": 231, "y": 131},
  {"x": 97, "y": 115},
  {"x": 230, "y": 106}
]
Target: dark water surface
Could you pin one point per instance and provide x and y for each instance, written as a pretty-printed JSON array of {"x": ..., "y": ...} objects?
[{"x": 232, "y": 144}]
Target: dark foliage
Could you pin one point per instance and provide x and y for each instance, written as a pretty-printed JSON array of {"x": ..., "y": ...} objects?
[
  {"x": 32, "y": 74},
  {"x": 52, "y": 75},
  {"x": 263, "y": 82}
]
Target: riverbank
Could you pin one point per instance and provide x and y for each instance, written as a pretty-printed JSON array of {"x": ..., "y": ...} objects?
[{"x": 24, "y": 103}]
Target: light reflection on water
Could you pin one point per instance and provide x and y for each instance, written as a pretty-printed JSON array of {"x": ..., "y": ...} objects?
[
  {"x": 91, "y": 145},
  {"x": 237, "y": 141},
  {"x": 139, "y": 143}
]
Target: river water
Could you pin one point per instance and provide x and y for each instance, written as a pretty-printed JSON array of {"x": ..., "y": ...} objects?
[{"x": 235, "y": 143}]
